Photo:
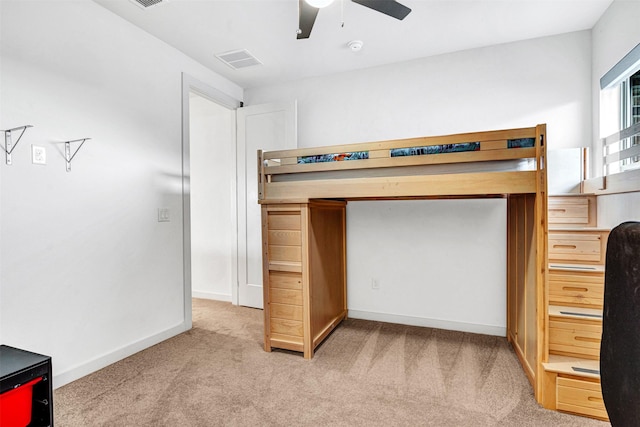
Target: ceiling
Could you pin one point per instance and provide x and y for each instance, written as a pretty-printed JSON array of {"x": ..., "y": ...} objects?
[{"x": 267, "y": 29}]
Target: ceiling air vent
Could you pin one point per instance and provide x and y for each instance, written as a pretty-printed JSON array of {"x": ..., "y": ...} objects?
[
  {"x": 238, "y": 59},
  {"x": 148, "y": 3}
]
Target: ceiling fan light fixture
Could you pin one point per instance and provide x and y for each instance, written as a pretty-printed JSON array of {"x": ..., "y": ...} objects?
[{"x": 319, "y": 4}]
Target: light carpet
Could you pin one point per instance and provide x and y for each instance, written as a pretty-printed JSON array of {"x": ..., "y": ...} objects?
[{"x": 365, "y": 374}]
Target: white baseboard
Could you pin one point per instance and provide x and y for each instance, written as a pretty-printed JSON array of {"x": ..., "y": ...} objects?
[
  {"x": 211, "y": 295},
  {"x": 451, "y": 325},
  {"x": 100, "y": 362}
]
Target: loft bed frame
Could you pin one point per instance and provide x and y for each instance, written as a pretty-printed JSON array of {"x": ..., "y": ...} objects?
[{"x": 303, "y": 193}]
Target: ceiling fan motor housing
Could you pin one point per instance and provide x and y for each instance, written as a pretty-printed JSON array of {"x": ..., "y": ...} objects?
[{"x": 308, "y": 10}]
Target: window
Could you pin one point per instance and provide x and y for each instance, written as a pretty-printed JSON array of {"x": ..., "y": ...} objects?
[
  {"x": 630, "y": 115},
  {"x": 620, "y": 116}
]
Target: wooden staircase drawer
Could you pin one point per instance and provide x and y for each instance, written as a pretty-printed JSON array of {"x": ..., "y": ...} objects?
[
  {"x": 580, "y": 397},
  {"x": 575, "y": 338},
  {"x": 586, "y": 247},
  {"x": 577, "y": 289},
  {"x": 572, "y": 211}
]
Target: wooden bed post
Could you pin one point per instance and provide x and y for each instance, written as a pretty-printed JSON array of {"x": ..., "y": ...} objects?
[
  {"x": 541, "y": 227},
  {"x": 526, "y": 271},
  {"x": 307, "y": 339},
  {"x": 265, "y": 276}
]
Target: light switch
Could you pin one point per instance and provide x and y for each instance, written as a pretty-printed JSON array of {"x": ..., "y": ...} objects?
[
  {"x": 164, "y": 215},
  {"x": 38, "y": 155}
]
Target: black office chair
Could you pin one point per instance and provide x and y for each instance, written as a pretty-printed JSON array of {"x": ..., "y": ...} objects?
[{"x": 620, "y": 348}]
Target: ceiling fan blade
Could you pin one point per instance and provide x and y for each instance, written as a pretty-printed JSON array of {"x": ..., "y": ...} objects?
[
  {"x": 388, "y": 7},
  {"x": 307, "y": 18}
]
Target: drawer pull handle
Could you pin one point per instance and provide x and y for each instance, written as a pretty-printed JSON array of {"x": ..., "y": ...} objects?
[
  {"x": 574, "y": 289},
  {"x": 573, "y": 267},
  {"x": 587, "y": 339},
  {"x": 570, "y": 313},
  {"x": 594, "y": 399},
  {"x": 586, "y": 370},
  {"x": 558, "y": 210},
  {"x": 565, "y": 246}
]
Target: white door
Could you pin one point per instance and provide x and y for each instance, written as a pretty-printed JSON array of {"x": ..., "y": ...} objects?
[{"x": 266, "y": 127}]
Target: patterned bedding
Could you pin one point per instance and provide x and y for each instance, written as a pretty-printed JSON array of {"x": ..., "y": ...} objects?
[
  {"x": 337, "y": 157},
  {"x": 435, "y": 149},
  {"x": 414, "y": 151}
]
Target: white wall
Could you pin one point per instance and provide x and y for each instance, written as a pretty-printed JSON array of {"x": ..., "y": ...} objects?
[
  {"x": 437, "y": 263},
  {"x": 615, "y": 34},
  {"x": 521, "y": 84},
  {"x": 1, "y": 159},
  {"x": 88, "y": 274},
  {"x": 213, "y": 230},
  {"x": 565, "y": 170},
  {"x": 614, "y": 209}
]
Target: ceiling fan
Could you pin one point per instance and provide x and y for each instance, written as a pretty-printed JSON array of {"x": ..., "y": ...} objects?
[{"x": 309, "y": 10}]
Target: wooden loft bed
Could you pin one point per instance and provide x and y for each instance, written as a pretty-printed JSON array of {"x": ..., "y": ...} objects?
[
  {"x": 303, "y": 193},
  {"x": 285, "y": 176}
]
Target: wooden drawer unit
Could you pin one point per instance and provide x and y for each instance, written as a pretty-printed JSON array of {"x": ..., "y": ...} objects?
[
  {"x": 569, "y": 211},
  {"x": 579, "y": 287},
  {"x": 284, "y": 240},
  {"x": 284, "y": 263},
  {"x": 580, "y": 397},
  {"x": 304, "y": 299},
  {"x": 575, "y": 337},
  {"x": 586, "y": 246}
]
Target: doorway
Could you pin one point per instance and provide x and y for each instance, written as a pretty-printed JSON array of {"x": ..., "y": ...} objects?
[
  {"x": 213, "y": 216},
  {"x": 221, "y": 218},
  {"x": 208, "y": 193}
]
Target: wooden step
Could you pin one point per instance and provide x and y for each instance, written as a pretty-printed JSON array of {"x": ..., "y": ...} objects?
[
  {"x": 577, "y": 285},
  {"x": 577, "y": 228},
  {"x": 575, "y": 331},
  {"x": 572, "y": 210},
  {"x": 573, "y": 366},
  {"x": 584, "y": 245},
  {"x": 575, "y": 312},
  {"x": 573, "y": 385},
  {"x": 576, "y": 267}
]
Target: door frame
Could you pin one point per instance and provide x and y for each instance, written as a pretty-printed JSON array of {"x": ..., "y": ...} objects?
[
  {"x": 191, "y": 84},
  {"x": 243, "y": 160}
]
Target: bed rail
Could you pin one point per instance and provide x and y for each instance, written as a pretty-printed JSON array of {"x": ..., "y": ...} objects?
[{"x": 404, "y": 167}]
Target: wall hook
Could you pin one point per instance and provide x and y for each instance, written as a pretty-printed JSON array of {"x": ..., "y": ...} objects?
[
  {"x": 67, "y": 151},
  {"x": 9, "y": 145}
]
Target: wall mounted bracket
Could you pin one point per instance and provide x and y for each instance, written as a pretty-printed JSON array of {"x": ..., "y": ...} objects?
[
  {"x": 9, "y": 145},
  {"x": 67, "y": 151}
]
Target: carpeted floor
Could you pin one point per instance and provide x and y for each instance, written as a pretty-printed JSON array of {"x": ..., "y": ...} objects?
[{"x": 365, "y": 374}]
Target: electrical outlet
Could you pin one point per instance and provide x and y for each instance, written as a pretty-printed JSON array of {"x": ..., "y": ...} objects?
[
  {"x": 38, "y": 155},
  {"x": 375, "y": 285},
  {"x": 164, "y": 215}
]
